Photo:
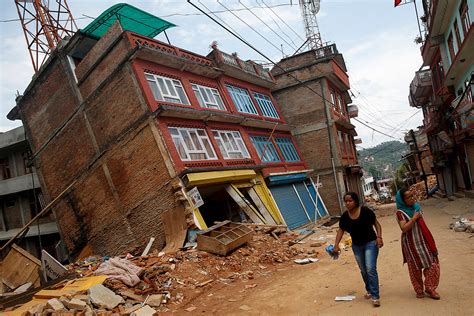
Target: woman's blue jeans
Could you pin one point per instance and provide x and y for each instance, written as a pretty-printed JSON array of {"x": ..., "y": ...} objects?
[{"x": 366, "y": 257}]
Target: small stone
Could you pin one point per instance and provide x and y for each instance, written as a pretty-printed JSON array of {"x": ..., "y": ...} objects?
[
  {"x": 155, "y": 300},
  {"x": 38, "y": 308},
  {"x": 245, "y": 308},
  {"x": 132, "y": 309},
  {"x": 76, "y": 304},
  {"x": 55, "y": 304},
  {"x": 190, "y": 309},
  {"x": 144, "y": 311}
]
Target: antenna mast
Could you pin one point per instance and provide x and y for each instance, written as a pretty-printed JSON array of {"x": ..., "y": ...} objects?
[
  {"x": 44, "y": 26},
  {"x": 309, "y": 9}
]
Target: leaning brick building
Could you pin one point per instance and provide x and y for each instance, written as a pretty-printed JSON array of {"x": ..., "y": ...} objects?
[
  {"x": 314, "y": 87},
  {"x": 135, "y": 124}
]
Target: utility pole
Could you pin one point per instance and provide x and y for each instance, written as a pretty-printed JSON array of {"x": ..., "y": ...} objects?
[{"x": 418, "y": 153}]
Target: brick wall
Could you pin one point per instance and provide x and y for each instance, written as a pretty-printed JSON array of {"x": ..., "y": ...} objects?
[
  {"x": 107, "y": 145},
  {"x": 47, "y": 104},
  {"x": 328, "y": 192}
]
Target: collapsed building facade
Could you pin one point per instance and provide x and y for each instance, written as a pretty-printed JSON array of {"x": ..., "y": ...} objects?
[
  {"x": 443, "y": 89},
  {"x": 314, "y": 86},
  {"x": 150, "y": 139}
]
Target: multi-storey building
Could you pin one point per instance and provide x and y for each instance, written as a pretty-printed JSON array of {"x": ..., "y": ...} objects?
[
  {"x": 443, "y": 89},
  {"x": 20, "y": 194},
  {"x": 138, "y": 124},
  {"x": 312, "y": 90}
]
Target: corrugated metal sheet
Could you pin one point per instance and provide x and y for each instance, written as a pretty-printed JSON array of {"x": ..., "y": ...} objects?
[{"x": 290, "y": 206}]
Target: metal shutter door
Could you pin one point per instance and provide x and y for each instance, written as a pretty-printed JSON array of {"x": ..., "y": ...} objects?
[{"x": 289, "y": 205}]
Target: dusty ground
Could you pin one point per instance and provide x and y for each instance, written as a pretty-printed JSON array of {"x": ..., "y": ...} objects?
[{"x": 293, "y": 289}]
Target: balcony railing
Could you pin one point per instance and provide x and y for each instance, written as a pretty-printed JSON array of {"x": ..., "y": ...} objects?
[
  {"x": 143, "y": 41},
  {"x": 463, "y": 106},
  {"x": 353, "y": 110},
  {"x": 246, "y": 66},
  {"x": 326, "y": 51}
]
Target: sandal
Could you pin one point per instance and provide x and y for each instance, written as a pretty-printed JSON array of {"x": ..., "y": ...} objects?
[
  {"x": 376, "y": 303},
  {"x": 433, "y": 294},
  {"x": 367, "y": 296},
  {"x": 420, "y": 295}
]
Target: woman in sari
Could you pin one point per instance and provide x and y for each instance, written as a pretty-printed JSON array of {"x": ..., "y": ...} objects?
[{"x": 418, "y": 246}]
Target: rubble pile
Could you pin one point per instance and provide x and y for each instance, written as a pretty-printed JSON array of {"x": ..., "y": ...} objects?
[
  {"x": 140, "y": 285},
  {"x": 419, "y": 189},
  {"x": 462, "y": 224}
]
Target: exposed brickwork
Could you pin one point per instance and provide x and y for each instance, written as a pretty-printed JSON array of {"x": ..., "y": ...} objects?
[
  {"x": 302, "y": 106},
  {"x": 104, "y": 69},
  {"x": 66, "y": 156},
  {"x": 119, "y": 103},
  {"x": 48, "y": 104}
]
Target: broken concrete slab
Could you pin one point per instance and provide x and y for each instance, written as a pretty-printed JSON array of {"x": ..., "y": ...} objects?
[
  {"x": 102, "y": 297},
  {"x": 37, "y": 309}
]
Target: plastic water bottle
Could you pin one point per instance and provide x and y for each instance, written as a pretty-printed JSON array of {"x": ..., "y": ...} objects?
[{"x": 329, "y": 250}]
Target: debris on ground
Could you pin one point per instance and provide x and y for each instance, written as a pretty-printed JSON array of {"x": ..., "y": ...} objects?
[
  {"x": 344, "y": 298},
  {"x": 462, "y": 224},
  {"x": 161, "y": 282}
]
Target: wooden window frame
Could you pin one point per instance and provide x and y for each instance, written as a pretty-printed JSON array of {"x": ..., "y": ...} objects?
[
  {"x": 242, "y": 100},
  {"x": 266, "y": 105}
]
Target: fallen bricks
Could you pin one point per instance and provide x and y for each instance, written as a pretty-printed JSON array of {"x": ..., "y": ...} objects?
[{"x": 167, "y": 281}]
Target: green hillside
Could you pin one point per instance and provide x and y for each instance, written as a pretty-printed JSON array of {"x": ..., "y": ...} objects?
[{"x": 383, "y": 159}]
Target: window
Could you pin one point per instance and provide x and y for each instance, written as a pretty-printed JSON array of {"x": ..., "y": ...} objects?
[
  {"x": 192, "y": 144},
  {"x": 437, "y": 73},
  {"x": 465, "y": 18},
  {"x": 208, "y": 97},
  {"x": 231, "y": 144},
  {"x": 264, "y": 144},
  {"x": 333, "y": 97},
  {"x": 242, "y": 100},
  {"x": 451, "y": 46},
  {"x": 340, "y": 104},
  {"x": 458, "y": 36},
  {"x": 266, "y": 105},
  {"x": 167, "y": 89},
  {"x": 5, "y": 169},
  {"x": 27, "y": 165},
  {"x": 288, "y": 150}
]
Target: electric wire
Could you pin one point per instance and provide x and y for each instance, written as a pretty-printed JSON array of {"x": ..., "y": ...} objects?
[
  {"x": 283, "y": 21},
  {"x": 276, "y": 23},
  {"x": 275, "y": 64},
  {"x": 252, "y": 28},
  {"x": 271, "y": 29}
]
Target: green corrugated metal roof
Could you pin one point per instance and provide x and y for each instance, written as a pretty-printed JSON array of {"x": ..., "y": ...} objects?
[{"x": 131, "y": 18}]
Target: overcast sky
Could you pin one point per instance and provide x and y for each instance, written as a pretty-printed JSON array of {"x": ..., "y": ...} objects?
[{"x": 376, "y": 39}]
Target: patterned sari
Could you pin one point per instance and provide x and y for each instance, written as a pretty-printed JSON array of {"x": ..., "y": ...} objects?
[{"x": 418, "y": 245}]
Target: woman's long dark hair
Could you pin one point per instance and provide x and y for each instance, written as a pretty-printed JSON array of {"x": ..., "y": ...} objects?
[{"x": 354, "y": 197}]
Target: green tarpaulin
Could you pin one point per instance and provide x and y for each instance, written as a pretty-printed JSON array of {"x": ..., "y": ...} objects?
[{"x": 131, "y": 18}]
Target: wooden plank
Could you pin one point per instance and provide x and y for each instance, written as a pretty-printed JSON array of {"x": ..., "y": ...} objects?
[
  {"x": 174, "y": 224},
  {"x": 20, "y": 267},
  {"x": 248, "y": 209},
  {"x": 261, "y": 207}
]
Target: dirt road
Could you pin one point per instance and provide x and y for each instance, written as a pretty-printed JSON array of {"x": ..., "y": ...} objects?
[{"x": 310, "y": 289}]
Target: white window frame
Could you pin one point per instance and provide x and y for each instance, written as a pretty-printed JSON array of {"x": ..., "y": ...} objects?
[
  {"x": 187, "y": 145},
  {"x": 214, "y": 99},
  {"x": 231, "y": 144},
  {"x": 168, "y": 90}
]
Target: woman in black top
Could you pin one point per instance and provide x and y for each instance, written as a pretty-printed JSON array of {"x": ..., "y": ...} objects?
[{"x": 359, "y": 222}]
